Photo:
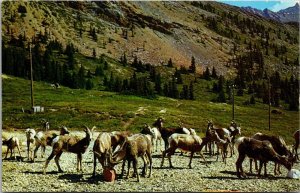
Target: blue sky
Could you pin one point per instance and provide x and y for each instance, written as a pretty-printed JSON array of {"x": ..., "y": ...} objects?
[{"x": 272, "y": 5}]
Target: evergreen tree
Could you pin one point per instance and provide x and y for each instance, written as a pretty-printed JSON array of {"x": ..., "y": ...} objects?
[
  {"x": 252, "y": 100},
  {"x": 206, "y": 74},
  {"x": 105, "y": 65},
  {"x": 185, "y": 92},
  {"x": 81, "y": 77},
  {"x": 193, "y": 65},
  {"x": 170, "y": 63},
  {"x": 214, "y": 73},
  {"x": 94, "y": 53},
  {"x": 157, "y": 86}
]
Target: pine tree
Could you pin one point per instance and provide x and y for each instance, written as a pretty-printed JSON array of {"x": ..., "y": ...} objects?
[
  {"x": 170, "y": 63},
  {"x": 81, "y": 77},
  {"x": 206, "y": 74},
  {"x": 193, "y": 65},
  {"x": 214, "y": 73},
  {"x": 105, "y": 65},
  {"x": 99, "y": 71},
  {"x": 185, "y": 92},
  {"x": 94, "y": 53},
  {"x": 157, "y": 86}
]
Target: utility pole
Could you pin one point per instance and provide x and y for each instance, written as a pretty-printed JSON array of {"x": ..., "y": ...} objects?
[
  {"x": 269, "y": 92},
  {"x": 232, "y": 90},
  {"x": 31, "y": 75}
]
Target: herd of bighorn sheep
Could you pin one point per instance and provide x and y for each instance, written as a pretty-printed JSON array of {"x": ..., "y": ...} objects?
[{"x": 112, "y": 148}]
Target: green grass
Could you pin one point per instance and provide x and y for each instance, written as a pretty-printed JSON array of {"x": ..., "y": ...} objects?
[{"x": 110, "y": 111}]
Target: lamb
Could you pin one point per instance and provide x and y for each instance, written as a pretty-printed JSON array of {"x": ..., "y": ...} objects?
[
  {"x": 260, "y": 150},
  {"x": 72, "y": 144},
  {"x": 43, "y": 139},
  {"x": 135, "y": 146},
  {"x": 102, "y": 150},
  {"x": 167, "y": 132},
  {"x": 296, "y": 136},
  {"x": 11, "y": 144},
  {"x": 30, "y": 136},
  {"x": 279, "y": 146},
  {"x": 223, "y": 146}
]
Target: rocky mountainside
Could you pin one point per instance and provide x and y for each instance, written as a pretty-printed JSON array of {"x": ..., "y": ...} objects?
[
  {"x": 290, "y": 14},
  {"x": 211, "y": 32}
]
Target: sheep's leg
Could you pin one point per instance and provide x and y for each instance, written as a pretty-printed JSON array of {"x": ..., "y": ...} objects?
[
  {"x": 79, "y": 162},
  {"x": 47, "y": 161},
  {"x": 190, "y": 164},
  {"x": 144, "y": 168},
  {"x": 265, "y": 167},
  {"x": 135, "y": 166},
  {"x": 57, "y": 161},
  {"x": 170, "y": 153},
  {"x": 6, "y": 152},
  {"x": 260, "y": 167},
  {"x": 203, "y": 158},
  {"x": 28, "y": 149},
  {"x": 163, "y": 158},
  {"x": 127, "y": 176},
  {"x": 251, "y": 160},
  {"x": 94, "y": 164},
  {"x": 123, "y": 167},
  {"x": 43, "y": 149},
  {"x": 150, "y": 160},
  {"x": 275, "y": 169},
  {"x": 35, "y": 150},
  {"x": 278, "y": 167},
  {"x": 239, "y": 166},
  {"x": 255, "y": 161}
]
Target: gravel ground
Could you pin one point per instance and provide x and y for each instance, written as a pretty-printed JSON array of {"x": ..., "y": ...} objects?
[{"x": 28, "y": 177}]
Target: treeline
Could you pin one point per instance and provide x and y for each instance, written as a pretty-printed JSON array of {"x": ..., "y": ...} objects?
[
  {"x": 46, "y": 66},
  {"x": 254, "y": 79}
]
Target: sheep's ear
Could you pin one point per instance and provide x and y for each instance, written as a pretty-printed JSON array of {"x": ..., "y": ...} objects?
[
  {"x": 85, "y": 128},
  {"x": 93, "y": 129}
]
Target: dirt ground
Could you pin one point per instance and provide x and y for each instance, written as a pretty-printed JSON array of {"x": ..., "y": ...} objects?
[{"x": 27, "y": 177}]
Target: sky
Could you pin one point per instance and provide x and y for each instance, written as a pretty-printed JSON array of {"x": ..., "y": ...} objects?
[{"x": 271, "y": 5}]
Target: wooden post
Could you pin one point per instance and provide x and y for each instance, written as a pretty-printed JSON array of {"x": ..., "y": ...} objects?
[{"x": 31, "y": 75}]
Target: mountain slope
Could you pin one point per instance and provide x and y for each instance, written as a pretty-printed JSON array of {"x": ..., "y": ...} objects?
[{"x": 152, "y": 31}]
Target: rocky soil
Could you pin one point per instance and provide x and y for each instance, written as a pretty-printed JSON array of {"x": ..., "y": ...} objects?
[{"x": 27, "y": 177}]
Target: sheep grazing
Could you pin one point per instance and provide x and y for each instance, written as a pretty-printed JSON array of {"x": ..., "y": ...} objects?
[
  {"x": 279, "y": 146},
  {"x": 296, "y": 136},
  {"x": 167, "y": 132},
  {"x": 135, "y": 146},
  {"x": 43, "y": 139},
  {"x": 30, "y": 137},
  {"x": 72, "y": 144},
  {"x": 46, "y": 124},
  {"x": 11, "y": 144},
  {"x": 259, "y": 150},
  {"x": 102, "y": 150},
  {"x": 185, "y": 142},
  {"x": 154, "y": 133}
]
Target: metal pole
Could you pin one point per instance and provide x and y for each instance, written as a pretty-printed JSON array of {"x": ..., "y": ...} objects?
[
  {"x": 31, "y": 75},
  {"x": 232, "y": 102},
  {"x": 269, "y": 104}
]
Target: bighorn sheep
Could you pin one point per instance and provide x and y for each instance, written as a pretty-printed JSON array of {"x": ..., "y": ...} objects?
[
  {"x": 154, "y": 133},
  {"x": 43, "y": 139},
  {"x": 223, "y": 146},
  {"x": 102, "y": 150},
  {"x": 30, "y": 136},
  {"x": 11, "y": 144},
  {"x": 296, "y": 136},
  {"x": 278, "y": 145},
  {"x": 167, "y": 132},
  {"x": 259, "y": 150},
  {"x": 192, "y": 143},
  {"x": 135, "y": 146},
  {"x": 118, "y": 137},
  {"x": 72, "y": 144}
]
